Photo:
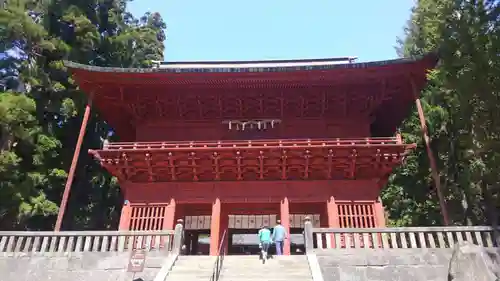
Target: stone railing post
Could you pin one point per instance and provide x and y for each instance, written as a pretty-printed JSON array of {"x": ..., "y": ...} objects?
[
  {"x": 308, "y": 235},
  {"x": 178, "y": 237}
]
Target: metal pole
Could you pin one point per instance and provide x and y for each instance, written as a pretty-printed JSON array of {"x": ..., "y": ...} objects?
[
  {"x": 72, "y": 169},
  {"x": 432, "y": 160}
]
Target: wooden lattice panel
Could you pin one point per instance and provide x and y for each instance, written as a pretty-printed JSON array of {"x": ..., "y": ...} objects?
[
  {"x": 198, "y": 222},
  {"x": 147, "y": 217},
  {"x": 251, "y": 221},
  {"x": 356, "y": 215},
  {"x": 297, "y": 220}
]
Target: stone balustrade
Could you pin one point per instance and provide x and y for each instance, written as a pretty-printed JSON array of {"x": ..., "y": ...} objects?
[
  {"x": 399, "y": 237},
  {"x": 85, "y": 241}
]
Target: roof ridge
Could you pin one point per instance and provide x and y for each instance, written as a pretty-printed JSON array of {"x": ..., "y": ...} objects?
[{"x": 249, "y": 66}]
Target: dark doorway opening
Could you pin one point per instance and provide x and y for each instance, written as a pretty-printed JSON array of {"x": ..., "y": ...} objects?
[
  {"x": 297, "y": 245},
  {"x": 244, "y": 242},
  {"x": 197, "y": 242}
]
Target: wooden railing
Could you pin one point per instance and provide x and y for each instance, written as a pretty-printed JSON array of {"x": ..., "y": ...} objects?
[
  {"x": 253, "y": 143},
  {"x": 88, "y": 241},
  {"x": 398, "y": 238}
]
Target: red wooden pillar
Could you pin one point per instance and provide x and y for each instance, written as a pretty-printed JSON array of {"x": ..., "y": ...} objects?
[
  {"x": 379, "y": 213},
  {"x": 125, "y": 216},
  {"x": 215, "y": 227},
  {"x": 333, "y": 217},
  {"x": 285, "y": 222},
  {"x": 224, "y": 224},
  {"x": 74, "y": 162},
  {"x": 169, "y": 219},
  {"x": 332, "y": 213}
]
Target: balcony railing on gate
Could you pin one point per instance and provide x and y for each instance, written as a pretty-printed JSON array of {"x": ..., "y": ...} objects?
[
  {"x": 399, "y": 238},
  {"x": 85, "y": 241},
  {"x": 253, "y": 143}
]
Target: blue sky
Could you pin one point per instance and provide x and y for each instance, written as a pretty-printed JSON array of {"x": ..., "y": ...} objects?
[{"x": 279, "y": 29}]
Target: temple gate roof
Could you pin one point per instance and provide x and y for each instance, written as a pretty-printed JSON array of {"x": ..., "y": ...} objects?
[{"x": 129, "y": 97}]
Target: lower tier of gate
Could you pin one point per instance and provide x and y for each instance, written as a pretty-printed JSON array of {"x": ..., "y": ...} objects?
[{"x": 242, "y": 208}]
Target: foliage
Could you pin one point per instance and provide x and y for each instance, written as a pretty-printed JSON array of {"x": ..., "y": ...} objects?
[
  {"x": 41, "y": 108},
  {"x": 461, "y": 107}
]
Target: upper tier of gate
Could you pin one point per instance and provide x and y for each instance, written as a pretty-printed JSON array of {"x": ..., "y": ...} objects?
[
  {"x": 306, "y": 159},
  {"x": 381, "y": 93}
]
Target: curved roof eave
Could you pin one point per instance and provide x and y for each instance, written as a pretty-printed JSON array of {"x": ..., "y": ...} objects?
[{"x": 249, "y": 66}]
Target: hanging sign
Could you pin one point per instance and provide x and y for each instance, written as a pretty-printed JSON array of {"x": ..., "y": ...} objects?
[{"x": 137, "y": 260}]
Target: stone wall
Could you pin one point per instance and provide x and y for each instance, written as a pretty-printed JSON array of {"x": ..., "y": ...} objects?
[
  {"x": 77, "y": 266},
  {"x": 386, "y": 264}
]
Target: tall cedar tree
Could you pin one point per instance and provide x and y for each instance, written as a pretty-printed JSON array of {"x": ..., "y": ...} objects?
[
  {"x": 461, "y": 104},
  {"x": 40, "y": 125}
]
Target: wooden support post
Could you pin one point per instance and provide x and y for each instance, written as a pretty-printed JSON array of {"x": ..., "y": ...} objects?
[
  {"x": 379, "y": 214},
  {"x": 285, "y": 222},
  {"x": 224, "y": 225},
  {"x": 215, "y": 228},
  {"x": 430, "y": 154},
  {"x": 74, "y": 162},
  {"x": 169, "y": 219},
  {"x": 333, "y": 218},
  {"x": 125, "y": 216},
  {"x": 332, "y": 213}
]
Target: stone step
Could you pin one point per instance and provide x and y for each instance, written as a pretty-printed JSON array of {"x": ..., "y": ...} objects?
[
  {"x": 193, "y": 275},
  {"x": 266, "y": 278},
  {"x": 256, "y": 275},
  {"x": 270, "y": 271},
  {"x": 194, "y": 263},
  {"x": 241, "y": 268},
  {"x": 191, "y": 268}
]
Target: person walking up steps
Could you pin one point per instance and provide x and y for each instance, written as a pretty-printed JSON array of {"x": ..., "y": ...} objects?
[
  {"x": 279, "y": 236},
  {"x": 265, "y": 241}
]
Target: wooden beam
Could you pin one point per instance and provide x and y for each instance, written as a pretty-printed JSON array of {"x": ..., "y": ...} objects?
[
  {"x": 307, "y": 157},
  {"x": 200, "y": 107},
  {"x": 330, "y": 164},
  {"x": 221, "y": 107},
  {"x": 283, "y": 164},
  {"x": 430, "y": 154},
  {"x": 126, "y": 166},
  {"x": 74, "y": 162},
  {"x": 216, "y": 164},
  {"x": 239, "y": 172},
  {"x": 193, "y": 166},
  {"x": 150, "y": 167},
  {"x": 261, "y": 165},
  {"x": 171, "y": 164},
  {"x": 352, "y": 168},
  {"x": 302, "y": 105}
]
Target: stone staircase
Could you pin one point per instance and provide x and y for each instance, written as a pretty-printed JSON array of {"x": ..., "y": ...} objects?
[
  {"x": 192, "y": 268},
  {"x": 242, "y": 268}
]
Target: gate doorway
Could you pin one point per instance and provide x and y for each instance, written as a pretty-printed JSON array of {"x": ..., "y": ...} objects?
[
  {"x": 243, "y": 233},
  {"x": 244, "y": 242},
  {"x": 197, "y": 235},
  {"x": 197, "y": 242}
]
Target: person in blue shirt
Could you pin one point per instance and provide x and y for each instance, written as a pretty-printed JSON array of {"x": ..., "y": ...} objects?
[
  {"x": 279, "y": 236},
  {"x": 265, "y": 240}
]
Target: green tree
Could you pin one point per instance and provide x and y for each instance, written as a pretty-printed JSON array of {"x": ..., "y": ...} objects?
[
  {"x": 48, "y": 32},
  {"x": 460, "y": 104}
]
